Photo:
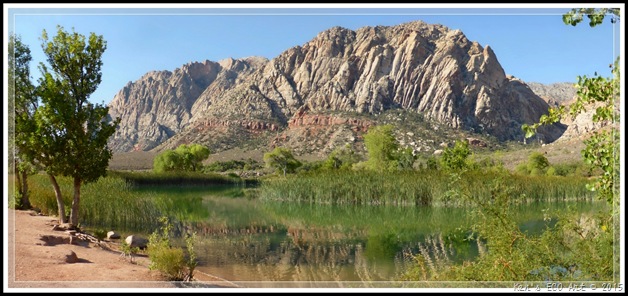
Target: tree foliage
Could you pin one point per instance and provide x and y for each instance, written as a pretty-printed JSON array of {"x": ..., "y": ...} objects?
[
  {"x": 341, "y": 158},
  {"x": 22, "y": 105},
  {"x": 185, "y": 158},
  {"x": 382, "y": 148},
  {"x": 455, "y": 158},
  {"x": 71, "y": 133},
  {"x": 596, "y": 16},
  {"x": 282, "y": 160}
]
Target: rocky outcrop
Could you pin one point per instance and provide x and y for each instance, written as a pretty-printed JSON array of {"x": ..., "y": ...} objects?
[
  {"x": 428, "y": 69},
  {"x": 554, "y": 94}
]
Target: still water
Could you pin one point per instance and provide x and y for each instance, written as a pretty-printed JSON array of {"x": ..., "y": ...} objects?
[{"x": 242, "y": 239}]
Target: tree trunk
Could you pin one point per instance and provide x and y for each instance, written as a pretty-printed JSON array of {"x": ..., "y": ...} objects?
[
  {"x": 25, "y": 203},
  {"x": 60, "y": 204},
  {"x": 74, "y": 214},
  {"x": 18, "y": 183}
]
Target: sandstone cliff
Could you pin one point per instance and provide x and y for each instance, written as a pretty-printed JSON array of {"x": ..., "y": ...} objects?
[{"x": 417, "y": 67}]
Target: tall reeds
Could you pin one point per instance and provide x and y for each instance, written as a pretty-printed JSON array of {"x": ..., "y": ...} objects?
[{"x": 414, "y": 187}]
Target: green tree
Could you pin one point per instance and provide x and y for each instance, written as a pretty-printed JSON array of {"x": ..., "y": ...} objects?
[
  {"x": 71, "y": 132},
  {"x": 341, "y": 158},
  {"x": 23, "y": 103},
  {"x": 537, "y": 163},
  {"x": 282, "y": 160},
  {"x": 382, "y": 148},
  {"x": 455, "y": 158},
  {"x": 192, "y": 156},
  {"x": 167, "y": 161},
  {"x": 185, "y": 158}
]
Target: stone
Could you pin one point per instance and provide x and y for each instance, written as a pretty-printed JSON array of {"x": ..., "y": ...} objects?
[
  {"x": 136, "y": 241},
  {"x": 70, "y": 257},
  {"x": 113, "y": 235}
]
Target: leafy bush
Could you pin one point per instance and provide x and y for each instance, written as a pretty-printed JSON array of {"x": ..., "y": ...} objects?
[
  {"x": 282, "y": 160},
  {"x": 223, "y": 166},
  {"x": 536, "y": 165},
  {"x": 455, "y": 158},
  {"x": 170, "y": 261}
]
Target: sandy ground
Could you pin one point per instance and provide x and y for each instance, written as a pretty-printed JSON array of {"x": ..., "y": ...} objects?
[{"x": 35, "y": 257}]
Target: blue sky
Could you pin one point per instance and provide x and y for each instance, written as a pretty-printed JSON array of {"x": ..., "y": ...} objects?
[{"x": 531, "y": 43}]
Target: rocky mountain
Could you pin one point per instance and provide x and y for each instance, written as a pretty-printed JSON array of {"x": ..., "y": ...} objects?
[
  {"x": 331, "y": 85},
  {"x": 554, "y": 94},
  {"x": 563, "y": 94}
]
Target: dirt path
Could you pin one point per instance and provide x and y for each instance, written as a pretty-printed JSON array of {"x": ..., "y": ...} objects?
[{"x": 37, "y": 259}]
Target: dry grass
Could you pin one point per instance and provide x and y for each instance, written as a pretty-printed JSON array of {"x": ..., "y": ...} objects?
[
  {"x": 132, "y": 161},
  {"x": 567, "y": 151}
]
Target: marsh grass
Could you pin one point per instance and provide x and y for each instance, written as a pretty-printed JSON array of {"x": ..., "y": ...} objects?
[
  {"x": 176, "y": 178},
  {"x": 414, "y": 187},
  {"x": 108, "y": 202}
]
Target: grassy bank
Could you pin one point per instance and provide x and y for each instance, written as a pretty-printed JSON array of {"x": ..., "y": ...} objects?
[
  {"x": 131, "y": 201},
  {"x": 108, "y": 202}
]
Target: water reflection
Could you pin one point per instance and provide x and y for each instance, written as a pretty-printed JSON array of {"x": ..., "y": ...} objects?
[{"x": 246, "y": 240}]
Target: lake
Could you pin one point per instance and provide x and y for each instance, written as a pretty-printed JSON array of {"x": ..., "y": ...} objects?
[{"x": 259, "y": 243}]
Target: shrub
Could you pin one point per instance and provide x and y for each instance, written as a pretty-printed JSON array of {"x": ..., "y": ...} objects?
[
  {"x": 170, "y": 261},
  {"x": 538, "y": 161},
  {"x": 127, "y": 251},
  {"x": 456, "y": 158}
]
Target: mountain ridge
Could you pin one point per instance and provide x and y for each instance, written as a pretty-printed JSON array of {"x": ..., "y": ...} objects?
[{"x": 417, "y": 67}]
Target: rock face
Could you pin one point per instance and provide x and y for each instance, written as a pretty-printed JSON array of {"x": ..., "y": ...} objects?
[
  {"x": 428, "y": 69},
  {"x": 563, "y": 94},
  {"x": 554, "y": 94}
]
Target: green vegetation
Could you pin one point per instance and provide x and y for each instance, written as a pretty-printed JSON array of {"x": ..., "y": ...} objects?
[
  {"x": 382, "y": 149},
  {"x": 341, "y": 158},
  {"x": 23, "y": 100},
  {"x": 578, "y": 247},
  {"x": 176, "y": 178},
  {"x": 413, "y": 187},
  {"x": 171, "y": 261},
  {"x": 513, "y": 255},
  {"x": 233, "y": 165},
  {"x": 127, "y": 251},
  {"x": 60, "y": 131},
  {"x": 537, "y": 165},
  {"x": 186, "y": 158},
  {"x": 108, "y": 202},
  {"x": 456, "y": 158},
  {"x": 282, "y": 160}
]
